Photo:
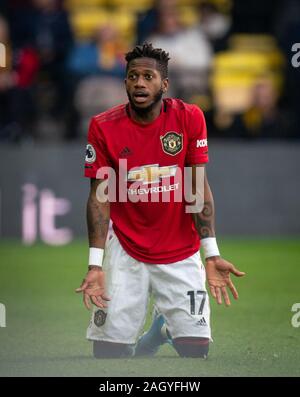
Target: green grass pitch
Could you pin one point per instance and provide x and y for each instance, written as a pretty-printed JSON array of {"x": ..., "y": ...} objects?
[{"x": 46, "y": 320}]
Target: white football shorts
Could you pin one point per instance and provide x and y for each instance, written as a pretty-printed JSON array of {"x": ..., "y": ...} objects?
[{"x": 178, "y": 289}]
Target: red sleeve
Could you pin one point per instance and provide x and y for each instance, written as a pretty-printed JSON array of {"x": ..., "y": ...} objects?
[
  {"x": 197, "y": 152},
  {"x": 96, "y": 151}
]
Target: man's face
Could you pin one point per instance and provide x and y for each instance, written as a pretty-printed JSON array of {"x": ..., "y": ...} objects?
[{"x": 144, "y": 84}]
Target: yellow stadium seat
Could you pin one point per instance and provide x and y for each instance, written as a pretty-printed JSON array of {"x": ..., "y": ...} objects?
[
  {"x": 252, "y": 42},
  {"x": 85, "y": 22},
  {"x": 254, "y": 62},
  {"x": 235, "y": 73}
]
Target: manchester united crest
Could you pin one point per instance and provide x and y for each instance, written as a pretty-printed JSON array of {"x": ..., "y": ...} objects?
[
  {"x": 99, "y": 318},
  {"x": 172, "y": 143}
]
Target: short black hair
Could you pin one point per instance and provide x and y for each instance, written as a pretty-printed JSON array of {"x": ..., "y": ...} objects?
[{"x": 148, "y": 51}]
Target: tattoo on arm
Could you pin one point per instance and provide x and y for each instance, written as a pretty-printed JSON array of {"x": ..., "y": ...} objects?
[
  {"x": 98, "y": 216},
  {"x": 204, "y": 221}
]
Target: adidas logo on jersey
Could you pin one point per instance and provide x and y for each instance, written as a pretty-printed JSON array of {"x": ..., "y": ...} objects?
[
  {"x": 202, "y": 322},
  {"x": 125, "y": 152}
]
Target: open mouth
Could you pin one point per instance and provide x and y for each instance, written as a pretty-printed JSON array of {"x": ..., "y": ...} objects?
[{"x": 140, "y": 97}]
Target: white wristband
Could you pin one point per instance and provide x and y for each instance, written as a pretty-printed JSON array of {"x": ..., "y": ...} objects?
[
  {"x": 96, "y": 256},
  {"x": 210, "y": 247}
]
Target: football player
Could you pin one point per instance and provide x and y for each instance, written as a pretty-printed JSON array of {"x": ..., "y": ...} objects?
[{"x": 149, "y": 142}]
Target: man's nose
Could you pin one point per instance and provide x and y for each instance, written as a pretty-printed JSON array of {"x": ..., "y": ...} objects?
[{"x": 140, "y": 82}]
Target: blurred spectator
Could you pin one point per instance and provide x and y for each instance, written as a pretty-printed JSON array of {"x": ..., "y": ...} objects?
[
  {"x": 21, "y": 18},
  {"x": 188, "y": 48},
  {"x": 16, "y": 89},
  {"x": 6, "y": 83},
  {"x": 52, "y": 33},
  {"x": 214, "y": 25},
  {"x": 190, "y": 51},
  {"x": 103, "y": 54},
  {"x": 265, "y": 119},
  {"x": 96, "y": 94},
  {"x": 53, "y": 38},
  {"x": 96, "y": 69},
  {"x": 147, "y": 22},
  {"x": 51, "y": 85}
]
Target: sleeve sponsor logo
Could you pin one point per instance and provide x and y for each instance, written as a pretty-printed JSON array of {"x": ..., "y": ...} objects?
[
  {"x": 201, "y": 143},
  {"x": 90, "y": 155}
]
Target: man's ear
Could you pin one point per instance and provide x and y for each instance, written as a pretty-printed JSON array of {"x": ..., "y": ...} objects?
[{"x": 165, "y": 85}]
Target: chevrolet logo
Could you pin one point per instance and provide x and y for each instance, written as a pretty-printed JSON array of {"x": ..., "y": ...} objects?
[{"x": 151, "y": 173}]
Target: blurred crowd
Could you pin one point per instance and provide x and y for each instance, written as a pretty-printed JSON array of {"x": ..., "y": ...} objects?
[{"x": 65, "y": 63}]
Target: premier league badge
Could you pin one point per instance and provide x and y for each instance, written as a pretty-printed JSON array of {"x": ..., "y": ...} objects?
[
  {"x": 172, "y": 143},
  {"x": 90, "y": 154}
]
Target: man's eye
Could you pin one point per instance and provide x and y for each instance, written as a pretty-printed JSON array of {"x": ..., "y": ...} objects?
[
  {"x": 148, "y": 76},
  {"x": 132, "y": 76}
]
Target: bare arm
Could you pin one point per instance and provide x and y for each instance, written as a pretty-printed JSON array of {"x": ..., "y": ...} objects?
[
  {"x": 205, "y": 220},
  {"x": 97, "y": 215},
  {"x": 217, "y": 269}
]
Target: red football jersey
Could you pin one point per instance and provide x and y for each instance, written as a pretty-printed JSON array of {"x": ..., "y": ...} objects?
[{"x": 152, "y": 156}]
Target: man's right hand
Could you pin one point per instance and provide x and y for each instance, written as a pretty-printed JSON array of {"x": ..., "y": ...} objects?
[{"x": 93, "y": 288}]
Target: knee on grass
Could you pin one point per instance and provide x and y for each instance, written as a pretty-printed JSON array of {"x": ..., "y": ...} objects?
[
  {"x": 103, "y": 349},
  {"x": 192, "y": 347}
]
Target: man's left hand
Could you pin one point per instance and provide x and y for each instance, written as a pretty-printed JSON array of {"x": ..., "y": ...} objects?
[{"x": 218, "y": 277}]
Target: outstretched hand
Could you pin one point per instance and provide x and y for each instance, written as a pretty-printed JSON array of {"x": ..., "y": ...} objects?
[
  {"x": 218, "y": 278},
  {"x": 93, "y": 288}
]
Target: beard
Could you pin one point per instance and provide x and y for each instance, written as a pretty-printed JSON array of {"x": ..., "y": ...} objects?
[{"x": 144, "y": 111}]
